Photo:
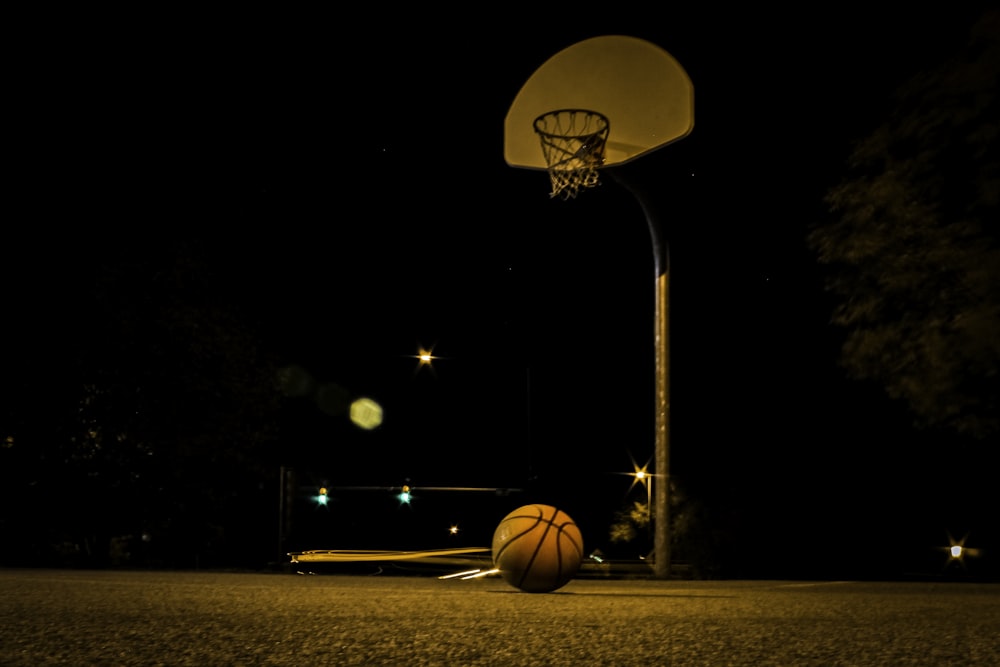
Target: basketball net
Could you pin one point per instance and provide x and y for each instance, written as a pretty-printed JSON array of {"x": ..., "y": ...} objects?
[{"x": 573, "y": 142}]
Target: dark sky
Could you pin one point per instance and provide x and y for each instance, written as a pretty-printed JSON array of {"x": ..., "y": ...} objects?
[{"x": 347, "y": 174}]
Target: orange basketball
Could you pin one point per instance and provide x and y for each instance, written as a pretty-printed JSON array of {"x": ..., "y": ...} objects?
[{"x": 537, "y": 548}]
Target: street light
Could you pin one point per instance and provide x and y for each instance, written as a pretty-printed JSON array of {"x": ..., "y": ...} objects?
[
  {"x": 425, "y": 357},
  {"x": 641, "y": 475},
  {"x": 647, "y": 481}
]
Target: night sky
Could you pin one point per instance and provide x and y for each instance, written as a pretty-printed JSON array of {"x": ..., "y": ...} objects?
[{"x": 346, "y": 180}]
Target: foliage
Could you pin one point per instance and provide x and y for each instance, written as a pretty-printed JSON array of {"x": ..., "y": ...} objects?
[
  {"x": 912, "y": 248},
  {"x": 153, "y": 444},
  {"x": 629, "y": 521},
  {"x": 694, "y": 545}
]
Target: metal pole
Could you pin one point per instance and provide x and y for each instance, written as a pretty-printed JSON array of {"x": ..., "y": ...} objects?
[
  {"x": 281, "y": 515},
  {"x": 661, "y": 535},
  {"x": 661, "y": 338},
  {"x": 286, "y": 486}
]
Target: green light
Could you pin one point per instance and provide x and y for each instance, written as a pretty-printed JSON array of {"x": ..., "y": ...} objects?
[{"x": 404, "y": 495}]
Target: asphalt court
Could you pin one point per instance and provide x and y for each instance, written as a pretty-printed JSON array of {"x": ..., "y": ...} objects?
[{"x": 72, "y": 617}]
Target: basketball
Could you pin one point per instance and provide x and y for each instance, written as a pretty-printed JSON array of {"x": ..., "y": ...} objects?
[{"x": 537, "y": 548}]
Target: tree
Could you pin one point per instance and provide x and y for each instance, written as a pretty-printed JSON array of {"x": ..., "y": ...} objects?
[
  {"x": 178, "y": 353},
  {"x": 912, "y": 245},
  {"x": 146, "y": 410}
]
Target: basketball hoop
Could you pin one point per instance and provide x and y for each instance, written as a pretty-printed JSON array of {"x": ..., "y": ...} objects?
[{"x": 573, "y": 143}]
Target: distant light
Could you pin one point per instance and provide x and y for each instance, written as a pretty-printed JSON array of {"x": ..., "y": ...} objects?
[
  {"x": 958, "y": 552},
  {"x": 453, "y": 530},
  {"x": 404, "y": 495},
  {"x": 366, "y": 413},
  {"x": 322, "y": 498},
  {"x": 641, "y": 475},
  {"x": 426, "y": 356}
]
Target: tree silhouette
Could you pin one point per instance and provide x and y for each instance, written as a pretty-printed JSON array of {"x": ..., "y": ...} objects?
[
  {"x": 150, "y": 423},
  {"x": 912, "y": 247}
]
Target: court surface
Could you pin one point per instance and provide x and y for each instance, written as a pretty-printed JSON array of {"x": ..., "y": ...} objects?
[{"x": 62, "y": 617}]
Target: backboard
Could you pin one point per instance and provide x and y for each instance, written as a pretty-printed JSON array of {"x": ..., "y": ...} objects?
[{"x": 642, "y": 91}]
